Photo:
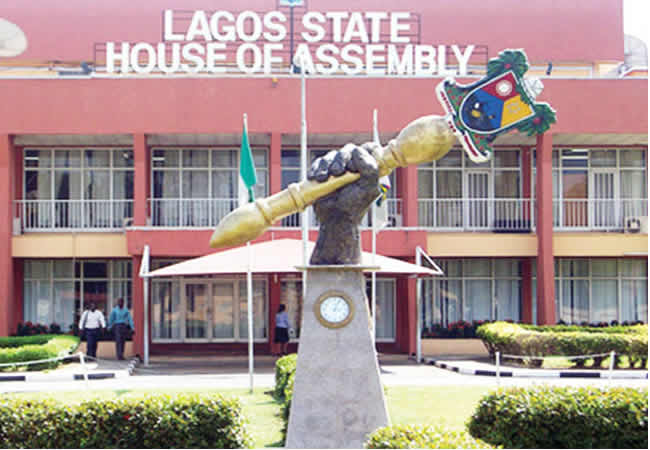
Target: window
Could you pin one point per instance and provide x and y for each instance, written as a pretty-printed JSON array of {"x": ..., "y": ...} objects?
[
  {"x": 57, "y": 291},
  {"x": 454, "y": 192},
  {"x": 598, "y": 188},
  {"x": 592, "y": 290},
  {"x": 472, "y": 290},
  {"x": 72, "y": 188},
  {"x": 199, "y": 186}
]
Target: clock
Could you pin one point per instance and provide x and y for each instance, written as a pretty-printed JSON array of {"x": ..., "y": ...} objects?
[{"x": 334, "y": 309}]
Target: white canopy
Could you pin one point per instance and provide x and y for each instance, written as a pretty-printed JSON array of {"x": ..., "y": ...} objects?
[{"x": 279, "y": 256}]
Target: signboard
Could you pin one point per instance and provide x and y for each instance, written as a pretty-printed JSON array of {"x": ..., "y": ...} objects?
[{"x": 371, "y": 43}]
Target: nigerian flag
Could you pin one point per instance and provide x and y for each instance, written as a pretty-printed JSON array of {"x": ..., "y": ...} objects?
[{"x": 247, "y": 176}]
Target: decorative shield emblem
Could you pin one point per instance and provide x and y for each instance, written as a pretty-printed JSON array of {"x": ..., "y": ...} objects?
[{"x": 500, "y": 102}]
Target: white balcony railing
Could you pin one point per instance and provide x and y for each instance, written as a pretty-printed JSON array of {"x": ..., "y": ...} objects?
[
  {"x": 63, "y": 215},
  {"x": 190, "y": 212},
  {"x": 394, "y": 206},
  {"x": 596, "y": 214},
  {"x": 515, "y": 215}
]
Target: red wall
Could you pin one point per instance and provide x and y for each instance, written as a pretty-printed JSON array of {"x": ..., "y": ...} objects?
[
  {"x": 216, "y": 105},
  {"x": 66, "y": 30}
]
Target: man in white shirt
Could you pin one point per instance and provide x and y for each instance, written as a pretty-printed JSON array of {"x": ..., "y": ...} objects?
[{"x": 91, "y": 324}]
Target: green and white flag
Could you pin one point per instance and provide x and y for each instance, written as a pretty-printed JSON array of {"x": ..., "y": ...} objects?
[{"x": 247, "y": 175}]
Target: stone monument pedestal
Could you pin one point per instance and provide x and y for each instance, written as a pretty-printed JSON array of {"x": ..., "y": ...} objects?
[{"x": 338, "y": 398}]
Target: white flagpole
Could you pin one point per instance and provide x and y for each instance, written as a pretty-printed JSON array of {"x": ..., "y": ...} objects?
[
  {"x": 303, "y": 170},
  {"x": 373, "y": 275},
  {"x": 249, "y": 292},
  {"x": 144, "y": 274}
]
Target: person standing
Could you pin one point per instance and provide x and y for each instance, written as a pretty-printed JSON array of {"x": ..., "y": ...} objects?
[
  {"x": 120, "y": 322},
  {"x": 282, "y": 329},
  {"x": 91, "y": 324}
]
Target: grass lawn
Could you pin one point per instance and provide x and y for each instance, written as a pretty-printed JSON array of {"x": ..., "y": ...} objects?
[{"x": 449, "y": 406}]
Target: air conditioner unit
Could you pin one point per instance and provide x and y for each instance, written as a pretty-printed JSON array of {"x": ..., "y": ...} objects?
[{"x": 636, "y": 224}]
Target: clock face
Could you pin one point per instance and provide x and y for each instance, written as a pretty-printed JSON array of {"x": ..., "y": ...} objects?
[{"x": 334, "y": 310}]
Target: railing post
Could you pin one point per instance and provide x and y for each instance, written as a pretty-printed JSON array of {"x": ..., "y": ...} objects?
[
  {"x": 85, "y": 369},
  {"x": 612, "y": 357}
]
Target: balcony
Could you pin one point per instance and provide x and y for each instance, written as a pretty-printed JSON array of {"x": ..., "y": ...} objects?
[
  {"x": 596, "y": 214},
  {"x": 394, "y": 206},
  {"x": 190, "y": 212},
  {"x": 468, "y": 214},
  {"x": 69, "y": 215}
]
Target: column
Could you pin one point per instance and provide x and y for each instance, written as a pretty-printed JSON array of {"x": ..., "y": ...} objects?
[
  {"x": 137, "y": 297},
  {"x": 408, "y": 192},
  {"x": 275, "y": 294},
  {"x": 544, "y": 216},
  {"x": 275, "y": 163},
  {"x": 527, "y": 290},
  {"x": 140, "y": 179},
  {"x": 7, "y": 196},
  {"x": 526, "y": 184}
]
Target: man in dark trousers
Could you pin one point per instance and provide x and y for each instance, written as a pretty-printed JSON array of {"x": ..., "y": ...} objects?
[
  {"x": 91, "y": 323},
  {"x": 120, "y": 321}
]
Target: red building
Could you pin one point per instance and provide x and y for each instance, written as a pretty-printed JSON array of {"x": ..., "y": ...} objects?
[{"x": 98, "y": 159}]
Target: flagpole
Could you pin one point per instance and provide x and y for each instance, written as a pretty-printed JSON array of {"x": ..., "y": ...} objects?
[
  {"x": 249, "y": 299},
  {"x": 373, "y": 275},
  {"x": 303, "y": 170}
]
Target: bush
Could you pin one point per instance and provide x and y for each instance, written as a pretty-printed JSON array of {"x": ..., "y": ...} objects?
[
  {"x": 421, "y": 436},
  {"x": 455, "y": 330},
  {"x": 285, "y": 370},
  {"x": 563, "y": 417},
  {"x": 31, "y": 329},
  {"x": 158, "y": 421},
  {"x": 34, "y": 348},
  {"x": 560, "y": 340},
  {"x": 284, "y": 367}
]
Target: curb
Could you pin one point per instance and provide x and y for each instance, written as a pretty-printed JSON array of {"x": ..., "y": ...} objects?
[
  {"x": 535, "y": 373},
  {"x": 103, "y": 375}
]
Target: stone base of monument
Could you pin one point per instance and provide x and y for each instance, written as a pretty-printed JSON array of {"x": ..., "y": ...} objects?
[{"x": 338, "y": 399}]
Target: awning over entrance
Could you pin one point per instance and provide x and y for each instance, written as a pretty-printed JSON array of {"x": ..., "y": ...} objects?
[{"x": 279, "y": 256}]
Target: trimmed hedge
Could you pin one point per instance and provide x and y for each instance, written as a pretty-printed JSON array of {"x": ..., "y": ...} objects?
[
  {"x": 563, "y": 417},
  {"x": 33, "y": 348},
  {"x": 285, "y": 371},
  {"x": 421, "y": 436},
  {"x": 158, "y": 421},
  {"x": 284, "y": 367},
  {"x": 562, "y": 340}
]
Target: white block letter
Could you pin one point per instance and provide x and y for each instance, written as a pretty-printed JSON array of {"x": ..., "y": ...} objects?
[
  {"x": 308, "y": 22},
  {"x": 396, "y": 27}
]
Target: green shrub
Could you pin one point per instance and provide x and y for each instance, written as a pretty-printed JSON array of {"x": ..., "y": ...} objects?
[
  {"x": 158, "y": 421},
  {"x": 284, "y": 367},
  {"x": 562, "y": 340},
  {"x": 563, "y": 417},
  {"x": 34, "y": 348},
  {"x": 421, "y": 436}
]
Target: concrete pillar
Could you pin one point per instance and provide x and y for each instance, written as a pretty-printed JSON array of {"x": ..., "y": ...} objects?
[
  {"x": 408, "y": 192},
  {"x": 275, "y": 163},
  {"x": 275, "y": 294},
  {"x": 527, "y": 290},
  {"x": 7, "y": 196},
  {"x": 141, "y": 180},
  {"x": 544, "y": 216}
]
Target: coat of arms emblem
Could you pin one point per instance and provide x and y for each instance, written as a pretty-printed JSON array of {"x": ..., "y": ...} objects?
[{"x": 502, "y": 101}]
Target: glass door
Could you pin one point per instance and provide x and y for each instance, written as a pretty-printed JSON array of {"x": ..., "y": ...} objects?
[
  {"x": 477, "y": 211},
  {"x": 603, "y": 198},
  {"x": 223, "y": 312},
  {"x": 196, "y": 311}
]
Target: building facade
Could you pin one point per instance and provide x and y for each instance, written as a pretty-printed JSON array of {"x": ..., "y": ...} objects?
[{"x": 97, "y": 163}]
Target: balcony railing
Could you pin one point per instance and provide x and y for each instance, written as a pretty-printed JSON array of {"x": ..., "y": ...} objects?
[
  {"x": 63, "y": 215},
  {"x": 501, "y": 215},
  {"x": 190, "y": 212},
  {"x": 596, "y": 214},
  {"x": 394, "y": 206}
]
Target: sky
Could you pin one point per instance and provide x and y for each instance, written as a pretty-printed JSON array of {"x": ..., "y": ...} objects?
[{"x": 636, "y": 18}]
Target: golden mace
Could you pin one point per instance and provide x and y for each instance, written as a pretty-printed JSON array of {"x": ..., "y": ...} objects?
[{"x": 428, "y": 138}]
